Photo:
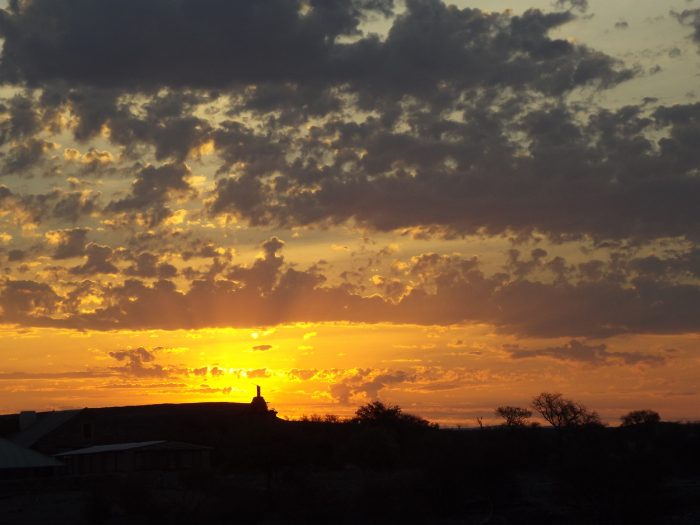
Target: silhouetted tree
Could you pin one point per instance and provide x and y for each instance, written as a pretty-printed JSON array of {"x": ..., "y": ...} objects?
[
  {"x": 514, "y": 416},
  {"x": 377, "y": 413},
  {"x": 560, "y": 412},
  {"x": 640, "y": 417}
]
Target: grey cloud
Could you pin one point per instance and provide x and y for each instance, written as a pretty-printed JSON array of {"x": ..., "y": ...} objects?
[
  {"x": 98, "y": 261},
  {"x": 71, "y": 243},
  {"x": 234, "y": 43},
  {"x": 138, "y": 363},
  {"x": 616, "y": 297},
  {"x": 679, "y": 265},
  {"x": 690, "y": 17},
  {"x": 20, "y": 300},
  {"x": 151, "y": 191},
  {"x": 466, "y": 48},
  {"x": 580, "y": 5},
  {"x": 26, "y": 155},
  {"x": 56, "y": 205},
  {"x": 597, "y": 355},
  {"x": 430, "y": 43},
  {"x": 148, "y": 265},
  {"x": 454, "y": 176},
  {"x": 605, "y": 178},
  {"x": 16, "y": 255},
  {"x": 264, "y": 273},
  {"x": 66, "y": 206},
  {"x": 163, "y": 120},
  {"x": 23, "y": 120},
  {"x": 367, "y": 382},
  {"x": 259, "y": 153}
]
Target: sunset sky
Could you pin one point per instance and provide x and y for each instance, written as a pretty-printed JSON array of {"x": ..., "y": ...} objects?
[{"x": 447, "y": 206}]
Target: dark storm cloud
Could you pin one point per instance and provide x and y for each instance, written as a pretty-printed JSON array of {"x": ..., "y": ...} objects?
[{"x": 596, "y": 355}]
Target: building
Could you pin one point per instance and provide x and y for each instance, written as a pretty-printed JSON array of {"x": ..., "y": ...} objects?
[
  {"x": 20, "y": 462},
  {"x": 56, "y": 432},
  {"x": 146, "y": 456}
]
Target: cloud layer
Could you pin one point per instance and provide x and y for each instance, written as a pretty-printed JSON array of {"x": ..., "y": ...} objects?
[{"x": 140, "y": 141}]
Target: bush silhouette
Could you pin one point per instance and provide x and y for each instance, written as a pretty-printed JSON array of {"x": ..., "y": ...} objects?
[
  {"x": 514, "y": 416},
  {"x": 377, "y": 413},
  {"x": 562, "y": 413},
  {"x": 640, "y": 417}
]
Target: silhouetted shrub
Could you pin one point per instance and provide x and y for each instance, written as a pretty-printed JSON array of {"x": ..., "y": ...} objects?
[
  {"x": 377, "y": 413},
  {"x": 561, "y": 413},
  {"x": 640, "y": 417},
  {"x": 514, "y": 416}
]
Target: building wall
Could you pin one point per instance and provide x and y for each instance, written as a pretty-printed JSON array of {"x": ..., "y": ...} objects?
[{"x": 138, "y": 461}]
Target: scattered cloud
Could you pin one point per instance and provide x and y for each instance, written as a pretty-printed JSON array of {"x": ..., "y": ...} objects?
[
  {"x": 596, "y": 355},
  {"x": 138, "y": 363}
]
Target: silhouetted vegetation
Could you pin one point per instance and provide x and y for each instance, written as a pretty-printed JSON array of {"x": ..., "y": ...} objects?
[
  {"x": 386, "y": 466},
  {"x": 378, "y": 414},
  {"x": 640, "y": 417},
  {"x": 514, "y": 416},
  {"x": 562, "y": 413}
]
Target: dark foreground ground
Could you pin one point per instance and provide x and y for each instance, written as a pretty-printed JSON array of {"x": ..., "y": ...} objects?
[{"x": 281, "y": 472}]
